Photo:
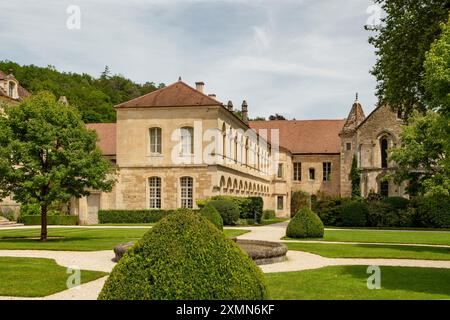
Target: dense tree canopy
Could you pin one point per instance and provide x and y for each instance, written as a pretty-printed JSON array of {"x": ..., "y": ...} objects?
[
  {"x": 94, "y": 97},
  {"x": 47, "y": 155},
  {"x": 401, "y": 41}
]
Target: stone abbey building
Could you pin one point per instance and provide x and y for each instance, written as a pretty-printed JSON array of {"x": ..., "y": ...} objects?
[{"x": 177, "y": 145}]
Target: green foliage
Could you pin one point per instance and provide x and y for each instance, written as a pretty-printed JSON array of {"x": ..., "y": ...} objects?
[
  {"x": 9, "y": 213},
  {"x": 227, "y": 209},
  {"x": 305, "y": 224},
  {"x": 300, "y": 200},
  {"x": 93, "y": 97},
  {"x": 425, "y": 145},
  {"x": 437, "y": 72},
  {"x": 401, "y": 41},
  {"x": 431, "y": 211},
  {"x": 392, "y": 213},
  {"x": 355, "y": 177},
  {"x": 269, "y": 214},
  {"x": 249, "y": 207},
  {"x": 185, "y": 258},
  {"x": 210, "y": 213},
  {"x": 329, "y": 210},
  {"x": 354, "y": 214},
  {"x": 47, "y": 155},
  {"x": 62, "y": 220},
  {"x": 30, "y": 209}
]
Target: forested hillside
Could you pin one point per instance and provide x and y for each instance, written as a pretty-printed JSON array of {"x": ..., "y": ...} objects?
[{"x": 94, "y": 97}]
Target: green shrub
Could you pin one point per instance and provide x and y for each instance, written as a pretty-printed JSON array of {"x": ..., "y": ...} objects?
[
  {"x": 185, "y": 258},
  {"x": 63, "y": 220},
  {"x": 354, "y": 214},
  {"x": 431, "y": 211},
  {"x": 269, "y": 214},
  {"x": 30, "y": 210},
  {"x": 227, "y": 209},
  {"x": 210, "y": 213},
  {"x": 299, "y": 200},
  {"x": 132, "y": 216},
  {"x": 305, "y": 224},
  {"x": 12, "y": 214},
  {"x": 388, "y": 212},
  {"x": 249, "y": 207},
  {"x": 329, "y": 209}
]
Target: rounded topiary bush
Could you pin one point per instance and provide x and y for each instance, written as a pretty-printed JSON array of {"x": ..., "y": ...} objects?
[
  {"x": 185, "y": 257},
  {"x": 228, "y": 210},
  {"x": 354, "y": 214},
  {"x": 305, "y": 224},
  {"x": 210, "y": 213}
]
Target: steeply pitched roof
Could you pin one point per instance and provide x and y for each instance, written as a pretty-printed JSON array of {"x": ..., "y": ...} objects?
[
  {"x": 178, "y": 94},
  {"x": 305, "y": 136},
  {"x": 107, "y": 137},
  {"x": 22, "y": 92},
  {"x": 354, "y": 119}
]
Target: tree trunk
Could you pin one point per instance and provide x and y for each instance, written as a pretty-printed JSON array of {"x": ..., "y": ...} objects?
[{"x": 43, "y": 222}]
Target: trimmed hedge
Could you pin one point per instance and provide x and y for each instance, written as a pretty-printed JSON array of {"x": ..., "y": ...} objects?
[
  {"x": 227, "y": 209},
  {"x": 184, "y": 257},
  {"x": 51, "y": 220},
  {"x": 305, "y": 224},
  {"x": 210, "y": 213},
  {"x": 431, "y": 211},
  {"x": 354, "y": 214},
  {"x": 132, "y": 216}
]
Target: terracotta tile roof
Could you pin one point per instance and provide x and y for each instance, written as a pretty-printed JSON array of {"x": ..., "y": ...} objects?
[
  {"x": 178, "y": 94},
  {"x": 107, "y": 137},
  {"x": 305, "y": 136}
]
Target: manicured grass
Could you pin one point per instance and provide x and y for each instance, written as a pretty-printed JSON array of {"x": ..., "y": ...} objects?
[
  {"x": 123, "y": 225},
  {"x": 35, "y": 277},
  {"x": 383, "y": 236},
  {"x": 73, "y": 239},
  {"x": 230, "y": 233},
  {"x": 350, "y": 282},
  {"x": 371, "y": 251},
  {"x": 272, "y": 221},
  {"x": 77, "y": 239}
]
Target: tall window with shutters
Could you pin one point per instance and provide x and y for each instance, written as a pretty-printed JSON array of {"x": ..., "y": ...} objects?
[{"x": 155, "y": 140}]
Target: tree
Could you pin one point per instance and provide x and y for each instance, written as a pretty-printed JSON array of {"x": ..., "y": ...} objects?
[
  {"x": 401, "y": 41},
  {"x": 276, "y": 117},
  {"x": 423, "y": 158},
  {"x": 48, "y": 155},
  {"x": 355, "y": 177}
]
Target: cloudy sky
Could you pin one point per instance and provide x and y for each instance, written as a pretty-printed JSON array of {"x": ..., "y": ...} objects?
[{"x": 301, "y": 58}]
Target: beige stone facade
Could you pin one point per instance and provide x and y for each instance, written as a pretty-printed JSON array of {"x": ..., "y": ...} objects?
[{"x": 176, "y": 146}]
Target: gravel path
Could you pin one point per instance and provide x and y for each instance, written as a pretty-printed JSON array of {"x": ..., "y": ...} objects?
[{"x": 296, "y": 260}]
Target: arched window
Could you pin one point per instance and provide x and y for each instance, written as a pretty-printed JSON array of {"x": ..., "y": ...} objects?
[
  {"x": 155, "y": 140},
  {"x": 187, "y": 192},
  {"x": 384, "y": 152},
  {"x": 187, "y": 141},
  {"x": 154, "y": 187}
]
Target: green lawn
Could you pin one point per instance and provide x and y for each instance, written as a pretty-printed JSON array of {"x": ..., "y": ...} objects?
[
  {"x": 350, "y": 282},
  {"x": 371, "y": 251},
  {"x": 230, "y": 233},
  {"x": 35, "y": 277},
  {"x": 77, "y": 239},
  {"x": 392, "y": 236}
]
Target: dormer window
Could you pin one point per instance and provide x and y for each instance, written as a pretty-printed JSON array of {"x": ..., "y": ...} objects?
[{"x": 12, "y": 90}]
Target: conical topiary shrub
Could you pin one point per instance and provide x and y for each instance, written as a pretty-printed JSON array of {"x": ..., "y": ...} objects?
[
  {"x": 305, "y": 224},
  {"x": 210, "y": 213},
  {"x": 185, "y": 257}
]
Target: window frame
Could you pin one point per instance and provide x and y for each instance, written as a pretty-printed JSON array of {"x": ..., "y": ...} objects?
[
  {"x": 280, "y": 171},
  {"x": 278, "y": 203},
  {"x": 155, "y": 140},
  {"x": 183, "y": 141},
  {"x": 326, "y": 171},
  {"x": 154, "y": 200},
  {"x": 313, "y": 170},
  {"x": 297, "y": 168},
  {"x": 187, "y": 192}
]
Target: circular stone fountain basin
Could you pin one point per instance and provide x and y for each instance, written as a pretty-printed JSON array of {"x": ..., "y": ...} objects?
[{"x": 262, "y": 252}]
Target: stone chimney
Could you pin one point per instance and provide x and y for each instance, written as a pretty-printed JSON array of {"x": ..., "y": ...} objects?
[
  {"x": 230, "y": 105},
  {"x": 199, "y": 86},
  {"x": 244, "y": 111}
]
